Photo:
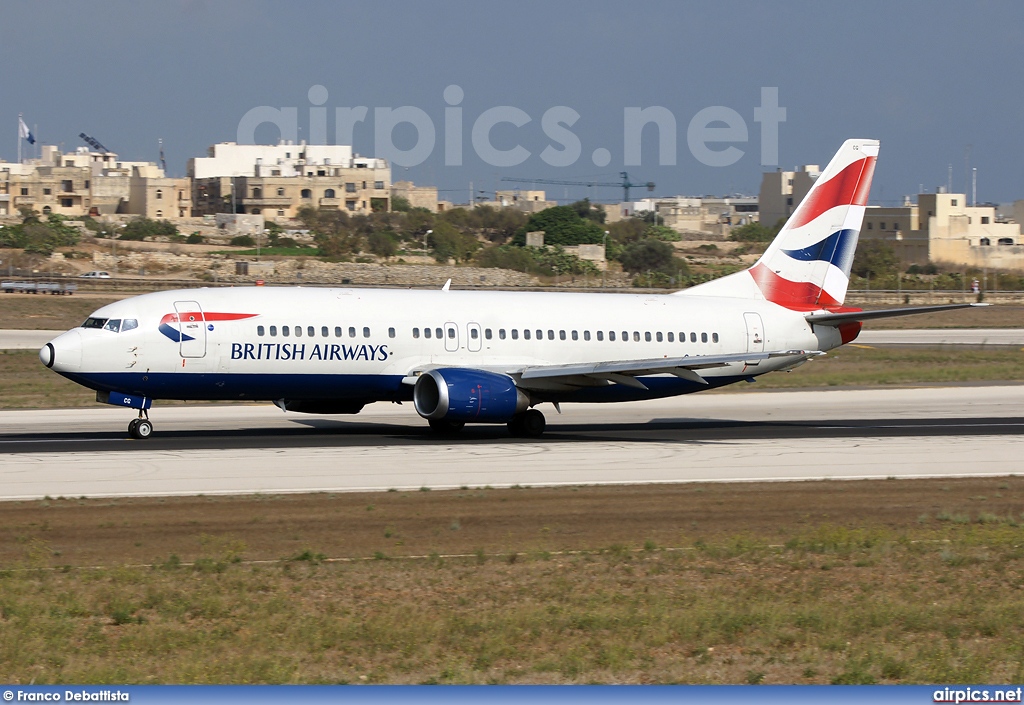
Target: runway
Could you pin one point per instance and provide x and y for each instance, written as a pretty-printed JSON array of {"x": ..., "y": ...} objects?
[{"x": 719, "y": 437}]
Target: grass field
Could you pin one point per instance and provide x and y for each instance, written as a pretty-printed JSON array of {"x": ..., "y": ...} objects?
[
  {"x": 827, "y": 582},
  {"x": 26, "y": 384}
]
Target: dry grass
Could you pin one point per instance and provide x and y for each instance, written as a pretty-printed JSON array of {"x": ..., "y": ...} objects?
[
  {"x": 891, "y": 581},
  {"x": 35, "y": 312}
]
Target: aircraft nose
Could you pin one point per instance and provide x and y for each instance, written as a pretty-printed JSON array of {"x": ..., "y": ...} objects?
[{"x": 63, "y": 353}]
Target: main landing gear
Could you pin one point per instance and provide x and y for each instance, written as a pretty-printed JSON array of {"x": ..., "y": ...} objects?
[
  {"x": 529, "y": 424},
  {"x": 140, "y": 429}
]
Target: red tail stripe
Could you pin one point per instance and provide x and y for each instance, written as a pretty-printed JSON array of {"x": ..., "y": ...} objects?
[
  {"x": 795, "y": 295},
  {"x": 848, "y": 187}
]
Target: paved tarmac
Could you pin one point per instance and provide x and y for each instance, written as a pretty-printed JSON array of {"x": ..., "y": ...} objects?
[{"x": 926, "y": 432}]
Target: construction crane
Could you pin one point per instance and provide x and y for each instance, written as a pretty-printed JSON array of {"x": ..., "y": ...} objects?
[{"x": 625, "y": 184}]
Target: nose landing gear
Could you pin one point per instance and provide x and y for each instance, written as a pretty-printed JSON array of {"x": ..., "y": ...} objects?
[{"x": 141, "y": 428}]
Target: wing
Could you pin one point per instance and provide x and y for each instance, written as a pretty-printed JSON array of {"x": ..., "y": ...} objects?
[{"x": 625, "y": 371}]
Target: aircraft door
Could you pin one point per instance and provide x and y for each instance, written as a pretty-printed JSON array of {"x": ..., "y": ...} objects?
[
  {"x": 451, "y": 337},
  {"x": 474, "y": 337},
  {"x": 192, "y": 328},
  {"x": 755, "y": 332}
]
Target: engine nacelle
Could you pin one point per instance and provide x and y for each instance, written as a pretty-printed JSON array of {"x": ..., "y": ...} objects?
[{"x": 470, "y": 396}]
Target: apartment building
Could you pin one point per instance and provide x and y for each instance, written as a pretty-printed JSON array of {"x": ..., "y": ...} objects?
[{"x": 275, "y": 181}]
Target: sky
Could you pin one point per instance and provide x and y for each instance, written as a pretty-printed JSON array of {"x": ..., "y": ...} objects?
[{"x": 939, "y": 83}]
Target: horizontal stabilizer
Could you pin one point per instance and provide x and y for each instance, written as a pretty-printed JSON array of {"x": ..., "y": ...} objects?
[{"x": 835, "y": 319}]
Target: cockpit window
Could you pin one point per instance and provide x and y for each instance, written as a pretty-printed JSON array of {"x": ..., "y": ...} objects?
[
  {"x": 94, "y": 323},
  {"x": 129, "y": 324},
  {"x": 114, "y": 324}
]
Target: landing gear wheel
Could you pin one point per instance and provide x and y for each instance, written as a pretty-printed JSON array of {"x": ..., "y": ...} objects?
[
  {"x": 445, "y": 427},
  {"x": 140, "y": 429},
  {"x": 529, "y": 424}
]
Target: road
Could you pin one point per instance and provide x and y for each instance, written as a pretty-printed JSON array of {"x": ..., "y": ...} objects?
[{"x": 928, "y": 432}]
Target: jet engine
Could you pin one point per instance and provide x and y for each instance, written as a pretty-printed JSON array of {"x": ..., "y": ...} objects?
[{"x": 468, "y": 396}]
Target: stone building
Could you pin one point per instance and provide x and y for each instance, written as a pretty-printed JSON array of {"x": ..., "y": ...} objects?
[{"x": 275, "y": 181}]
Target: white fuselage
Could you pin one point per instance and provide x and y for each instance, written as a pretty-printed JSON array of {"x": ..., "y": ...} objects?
[{"x": 313, "y": 343}]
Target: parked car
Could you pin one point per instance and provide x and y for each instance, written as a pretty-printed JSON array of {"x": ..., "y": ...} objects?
[{"x": 95, "y": 275}]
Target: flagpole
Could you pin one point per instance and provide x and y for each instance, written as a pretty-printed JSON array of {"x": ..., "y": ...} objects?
[{"x": 19, "y": 138}]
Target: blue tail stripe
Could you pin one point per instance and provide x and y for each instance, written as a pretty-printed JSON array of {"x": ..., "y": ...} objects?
[{"x": 838, "y": 249}]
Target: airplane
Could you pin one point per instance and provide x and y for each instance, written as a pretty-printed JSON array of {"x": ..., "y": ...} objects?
[{"x": 487, "y": 357}]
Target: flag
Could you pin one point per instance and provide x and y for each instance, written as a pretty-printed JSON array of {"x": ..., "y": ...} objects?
[{"x": 24, "y": 133}]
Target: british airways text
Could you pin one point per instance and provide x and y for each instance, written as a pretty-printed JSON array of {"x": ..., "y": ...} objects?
[{"x": 297, "y": 351}]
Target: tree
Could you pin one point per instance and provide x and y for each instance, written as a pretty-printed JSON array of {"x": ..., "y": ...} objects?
[
  {"x": 663, "y": 233},
  {"x": 589, "y": 211},
  {"x": 400, "y": 204},
  {"x": 383, "y": 243},
  {"x": 649, "y": 255},
  {"x": 332, "y": 231},
  {"x": 142, "y": 228},
  {"x": 562, "y": 225},
  {"x": 449, "y": 243},
  {"x": 875, "y": 258},
  {"x": 754, "y": 232}
]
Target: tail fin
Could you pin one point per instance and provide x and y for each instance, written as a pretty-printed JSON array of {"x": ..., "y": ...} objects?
[{"x": 807, "y": 266}]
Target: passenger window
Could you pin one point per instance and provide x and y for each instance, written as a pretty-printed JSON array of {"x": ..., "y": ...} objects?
[
  {"x": 714, "y": 337},
  {"x": 415, "y": 332},
  {"x": 473, "y": 333},
  {"x": 501, "y": 333},
  {"x": 437, "y": 333},
  {"x": 451, "y": 333},
  {"x": 285, "y": 331},
  {"x": 647, "y": 336},
  {"x": 114, "y": 324},
  {"x": 324, "y": 332},
  {"x": 658, "y": 336},
  {"x": 611, "y": 335},
  {"x": 561, "y": 335},
  {"x": 515, "y": 334},
  {"x": 526, "y": 334},
  {"x": 682, "y": 337},
  {"x": 540, "y": 334},
  {"x": 273, "y": 331},
  {"x": 129, "y": 324},
  {"x": 693, "y": 337},
  {"x": 600, "y": 335},
  {"x": 636, "y": 336},
  {"x": 576, "y": 336},
  {"x": 487, "y": 333},
  {"x": 366, "y": 332},
  {"x": 351, "y": 332},
  {"x": 260, "y": 330},
  {"x": 311, "y": 331},
  {"x": 671, "y": 337},
  {"x": 337, "y": 331},
  {"x": 625, "y": 336},
  {"x": 586, "y": 335},
  {"x": 426, "y": 332},
  {"x": 391, "y": 332},
  {"x": 703, "y": 337},
  {"x": 298, "y": 331}
]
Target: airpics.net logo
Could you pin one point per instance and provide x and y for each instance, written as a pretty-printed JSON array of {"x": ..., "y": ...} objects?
[{"x": 716, "y": 136}]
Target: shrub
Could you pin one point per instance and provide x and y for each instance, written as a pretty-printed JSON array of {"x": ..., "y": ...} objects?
[{"x": 243, "y": 241}]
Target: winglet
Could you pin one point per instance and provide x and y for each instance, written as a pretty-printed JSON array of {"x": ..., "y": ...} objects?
[{"x": 447, "y": 285}]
